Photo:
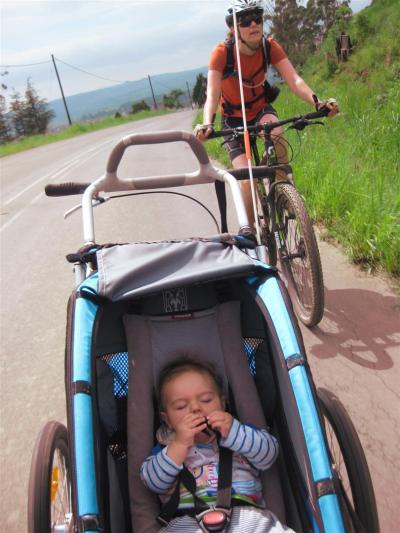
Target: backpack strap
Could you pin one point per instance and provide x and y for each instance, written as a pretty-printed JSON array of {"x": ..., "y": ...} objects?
[
  {"x": 229, "y": 72},
  {"x": 267, "y": 51},
  {"x": 229, "y": 69}
]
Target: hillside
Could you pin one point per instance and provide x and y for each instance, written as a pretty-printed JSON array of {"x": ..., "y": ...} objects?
[
  {"x": 349, "y": 170},
  {"x": 353, "y": 184},
  {"x": 120, "y": 97}
]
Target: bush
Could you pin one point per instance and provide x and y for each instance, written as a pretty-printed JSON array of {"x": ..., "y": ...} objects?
[
  {"x": 364, "y": 28},
  {"x": 140, "y": 106}
]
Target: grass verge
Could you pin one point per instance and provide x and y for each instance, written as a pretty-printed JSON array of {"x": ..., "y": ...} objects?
[
  {"x": 348, "y": 172},
  {"x": 72, "y": 131}
]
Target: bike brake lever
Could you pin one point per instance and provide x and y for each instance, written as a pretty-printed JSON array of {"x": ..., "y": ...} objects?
[
  {"x": 99, "y": 200},
  {"x": 301, "y": 124}
]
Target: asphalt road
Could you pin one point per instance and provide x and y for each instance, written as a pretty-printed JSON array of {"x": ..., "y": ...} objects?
[{"x": 355, "y": 351}]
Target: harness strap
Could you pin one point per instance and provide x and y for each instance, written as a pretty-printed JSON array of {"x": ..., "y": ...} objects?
[
  {"x": 227, "y": 105},
  {"x": 229, "y": 72},
  {"x": 224, "y": 494}
]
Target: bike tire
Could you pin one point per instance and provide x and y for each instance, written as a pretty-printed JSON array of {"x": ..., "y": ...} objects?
[
  {"x": 349, "y": 465},
  {"x": 49, "y": 501},
  {"x": 299, "y": 255}
]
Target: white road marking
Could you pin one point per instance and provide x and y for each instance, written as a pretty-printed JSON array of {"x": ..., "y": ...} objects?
[
  {"x": 17, "y": 215},
  {"x": 51, "y": 176},
  {"x": 42, "y": 178}
]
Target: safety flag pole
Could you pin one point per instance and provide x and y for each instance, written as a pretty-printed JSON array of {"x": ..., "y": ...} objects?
[{"x": 246, "y": 133}]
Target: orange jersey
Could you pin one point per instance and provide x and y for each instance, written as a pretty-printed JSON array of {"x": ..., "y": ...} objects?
[{"x": 252, "y": 85}]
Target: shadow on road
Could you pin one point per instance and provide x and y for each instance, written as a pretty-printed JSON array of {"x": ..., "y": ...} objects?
[{"x": 359, "y": 325}]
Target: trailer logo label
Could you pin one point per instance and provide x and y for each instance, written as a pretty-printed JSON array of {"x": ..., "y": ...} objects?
[{"x": 175, "y": 300}]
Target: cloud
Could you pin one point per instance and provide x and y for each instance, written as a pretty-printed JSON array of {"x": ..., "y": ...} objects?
[
  {"x": 121, "y": 40},
  {"x": 116, "y": 39}
]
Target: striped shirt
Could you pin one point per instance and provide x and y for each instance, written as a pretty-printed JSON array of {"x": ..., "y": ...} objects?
[{"x": 253, "y": 450}]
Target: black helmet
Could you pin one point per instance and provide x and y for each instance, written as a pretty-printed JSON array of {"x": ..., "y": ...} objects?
[{"x": 241, "y": 7}]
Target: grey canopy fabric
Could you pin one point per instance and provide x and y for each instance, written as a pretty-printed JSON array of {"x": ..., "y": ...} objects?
[
  {"x": 214, "y": 336},
  {"x": 134, "y": 270}
]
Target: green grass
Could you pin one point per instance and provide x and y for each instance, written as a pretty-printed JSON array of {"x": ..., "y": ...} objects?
[
  {"x": 76, "y": 129},
  {"x": 349, "y": 170}
]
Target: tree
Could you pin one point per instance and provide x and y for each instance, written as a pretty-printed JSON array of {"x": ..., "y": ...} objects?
[
  {"x": 286, "y": 27},
  {"x": 36, "y": 115},
  {"x": 171, "y": 100},
  {"x": 140, "y": 106},
  {"x": 5, "y": 133},
  {"x": 301, "y": 29},
  {"x": 3, "y": 85},
  {"x": 199, "y": 91},
  {"x": 17, "y": 114}
]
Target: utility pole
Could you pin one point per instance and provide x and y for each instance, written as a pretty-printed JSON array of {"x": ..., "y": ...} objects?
[
  {"x": 152, "y": 92},
  {"x": 62, "y": 92},
  {"x": 190, "y": 96}
]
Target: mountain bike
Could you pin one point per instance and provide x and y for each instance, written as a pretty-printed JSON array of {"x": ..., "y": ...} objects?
[{"x": 286, "y": 229}]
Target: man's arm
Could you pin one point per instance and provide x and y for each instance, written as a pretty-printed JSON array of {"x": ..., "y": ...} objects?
[
  {"x": 213, "y": 93},
  {"x": 300, "y": 88},
  {"x": 214, "y": 78},
  {"x": 295, "y": 83}
]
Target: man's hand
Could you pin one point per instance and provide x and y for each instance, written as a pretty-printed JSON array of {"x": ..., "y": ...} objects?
[
  {"x": 221, "y": 421},
  {"x": 202, "y": 131},
  {"x": 330, "y": 104}
]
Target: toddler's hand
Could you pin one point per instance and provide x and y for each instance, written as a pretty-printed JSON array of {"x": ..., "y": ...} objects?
[
  {"x": 187, "y": 428},
  {"x": 221, "y": 421}
]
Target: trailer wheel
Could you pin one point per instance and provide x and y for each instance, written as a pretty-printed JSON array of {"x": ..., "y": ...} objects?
[
  {"x": 349, "y": 466},
  {"x": 49, "y": 493}
]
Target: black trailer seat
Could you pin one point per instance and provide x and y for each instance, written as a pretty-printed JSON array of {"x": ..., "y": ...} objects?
[{"x": 213, "y": 335}]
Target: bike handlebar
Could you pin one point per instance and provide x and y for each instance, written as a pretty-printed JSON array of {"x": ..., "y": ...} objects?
[
  {"x": 110, "y": 182},
  {"x": 269, "y": 126},
  {"x": 65, "y": 189},
  {"x": 155, "y": 138}
]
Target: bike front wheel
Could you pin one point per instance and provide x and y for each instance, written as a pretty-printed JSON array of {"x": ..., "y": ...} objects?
[{"x": 299, "y": 255}]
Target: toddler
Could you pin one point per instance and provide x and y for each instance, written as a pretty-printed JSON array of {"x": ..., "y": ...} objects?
[{"x": 191, "y": 399}]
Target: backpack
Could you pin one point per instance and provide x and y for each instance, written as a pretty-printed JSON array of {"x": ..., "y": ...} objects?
[{"x": 270, "y": 92}]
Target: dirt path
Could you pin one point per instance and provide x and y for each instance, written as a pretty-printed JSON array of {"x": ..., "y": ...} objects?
[{"x": 355, "y": 352}]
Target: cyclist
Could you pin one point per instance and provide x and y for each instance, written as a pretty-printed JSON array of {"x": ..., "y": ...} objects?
[{"x": 255, "y": 54}]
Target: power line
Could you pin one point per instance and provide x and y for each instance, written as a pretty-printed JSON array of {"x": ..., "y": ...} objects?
[
  {"x": 27, "y": 65},
  {"x": 90, "y": 73}
]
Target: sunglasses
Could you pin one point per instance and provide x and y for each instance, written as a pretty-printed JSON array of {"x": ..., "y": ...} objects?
[{"x": 245, "y": 22}]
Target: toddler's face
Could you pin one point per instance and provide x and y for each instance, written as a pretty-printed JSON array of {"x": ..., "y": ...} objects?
[{"x": 192, "y": 392}]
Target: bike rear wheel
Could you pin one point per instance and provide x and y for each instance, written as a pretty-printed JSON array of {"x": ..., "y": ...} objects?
[{"x": 299, "y": 255}]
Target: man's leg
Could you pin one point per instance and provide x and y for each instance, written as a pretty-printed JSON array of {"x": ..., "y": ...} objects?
[{"x": 279, "y": 144}]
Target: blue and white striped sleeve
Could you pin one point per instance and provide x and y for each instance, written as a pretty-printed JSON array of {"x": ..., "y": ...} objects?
[
  {"x": 257, "y": 445},
  {"x": 159, "y": 472}
]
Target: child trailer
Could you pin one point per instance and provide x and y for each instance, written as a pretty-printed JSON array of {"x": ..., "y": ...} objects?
[{"x": 133, "y": 306}]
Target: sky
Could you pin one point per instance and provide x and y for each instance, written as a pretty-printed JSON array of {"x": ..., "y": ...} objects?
[{"x": 120, "y": 40}]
